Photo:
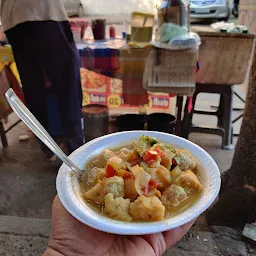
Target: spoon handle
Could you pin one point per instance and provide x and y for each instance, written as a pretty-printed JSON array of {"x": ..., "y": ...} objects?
[{"x": 29, "y": 119}]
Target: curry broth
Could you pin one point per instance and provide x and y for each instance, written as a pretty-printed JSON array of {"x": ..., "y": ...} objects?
[{"x": 99, "y": 208}]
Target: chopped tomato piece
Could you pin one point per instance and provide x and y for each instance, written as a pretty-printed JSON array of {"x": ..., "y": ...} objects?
[
  {"x": 150, "y": 157},
  {"x": 152, "y": 185},
  {"x": 145, "y": 190},
  {"x": 160, "y": 152},
  {"x": 165, "y": 161},
  {"x": 110, "y": 171}
]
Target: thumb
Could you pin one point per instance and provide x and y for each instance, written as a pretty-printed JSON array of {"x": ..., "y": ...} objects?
[{"x": 173, "y": 236}]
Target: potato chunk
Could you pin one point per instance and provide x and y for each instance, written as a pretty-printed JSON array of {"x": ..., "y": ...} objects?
[
  {"x": 102, "y": 158},
  {"x": 176, "y": 172},
  {"x": 165, "y": 154},
  {"x": 144, "y": 165},
  {"x": 133, "y": 158},
  {"x": 117, "y": 163},
  {"x": 123, "y": 152},
  {"x": 123, "y": 157},
  {"x": 167, "y": 159},
  {"x": 95, "y": 175},
  {"x": 189, "y": 181},
  {"x": 129, "y": 188},
  {"x": 114, "y": 185},
  {"x": 154, "y": 192},
  {"x": 147, "y": 209},
  {"x": 117, "y": 208},
  {"x": 173, "y": 195},
  {"x": 107, "y": 154},
  {"x": 161, "y": 175},
  {"x": 185, "y": 160},
  {"x": 95, "y": 194}
]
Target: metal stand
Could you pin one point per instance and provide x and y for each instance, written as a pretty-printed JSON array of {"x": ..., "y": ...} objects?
[
  {"x": 224, "y": 112},
  {"x": 235, "y": 109},
  {"x": 239, "y": 117},
  {"x": 179, "y": 106}
]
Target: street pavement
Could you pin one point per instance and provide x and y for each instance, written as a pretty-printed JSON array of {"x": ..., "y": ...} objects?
[
  {"x": 29, "y": 237},
  {"x": 27, "y": 188}
]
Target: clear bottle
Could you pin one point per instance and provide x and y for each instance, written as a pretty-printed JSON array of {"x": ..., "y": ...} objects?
[{"x": 176, "y": 12}]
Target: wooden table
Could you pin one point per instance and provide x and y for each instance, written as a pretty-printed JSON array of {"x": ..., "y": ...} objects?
[{"x": 224, "y": 62}]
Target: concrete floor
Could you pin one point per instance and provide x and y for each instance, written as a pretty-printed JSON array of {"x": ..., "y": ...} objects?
[
  {"x": 27, "y": 181},
  {"x": 27, "y": 187}
]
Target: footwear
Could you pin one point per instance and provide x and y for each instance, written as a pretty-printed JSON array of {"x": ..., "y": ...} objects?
[
  {"x": 53, "y": 158},
  {"x": 50, "y": 156},
  {"x": 235, "y": 11}
]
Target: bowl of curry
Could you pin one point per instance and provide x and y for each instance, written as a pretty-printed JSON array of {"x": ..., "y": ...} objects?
[{"x": 139, "y": 182}]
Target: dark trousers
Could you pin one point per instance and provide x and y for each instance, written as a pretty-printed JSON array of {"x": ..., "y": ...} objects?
[{"x": 47, "y": 49}]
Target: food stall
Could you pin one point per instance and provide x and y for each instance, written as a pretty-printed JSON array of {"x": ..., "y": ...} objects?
[
  {"x": 101, "y": 70},
  {"x": 128, "y": 66},
  {"x": 139, "y": 78}
]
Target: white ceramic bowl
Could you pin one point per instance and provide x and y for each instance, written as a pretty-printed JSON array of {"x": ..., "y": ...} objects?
[{"x": 69, "y": 190}]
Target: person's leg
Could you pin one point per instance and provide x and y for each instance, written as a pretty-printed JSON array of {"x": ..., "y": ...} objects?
[
  {"x": 62, "y": 67},
  {"x": 236, "y": 7},
  {"x": 30, "y": 71},
  {"x": 31, "y": 74}
]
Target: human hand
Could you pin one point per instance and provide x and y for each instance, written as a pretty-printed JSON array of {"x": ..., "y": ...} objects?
[{"x": 72, "y": 238}]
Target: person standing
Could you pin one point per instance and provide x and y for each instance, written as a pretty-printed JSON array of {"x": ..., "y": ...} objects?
[
  {"x": 44, "y": 49},
  {"x": 235, "y": 8}
]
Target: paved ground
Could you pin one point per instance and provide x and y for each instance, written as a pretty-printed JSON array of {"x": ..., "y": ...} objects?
[
  {"x": 27, "y": 182},
  {"x": 27, "y": 187},
  {"x": 29, "y": 236}
]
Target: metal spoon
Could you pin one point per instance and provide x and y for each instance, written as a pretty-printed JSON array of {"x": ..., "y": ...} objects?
[{"x": 29, "y": 119}]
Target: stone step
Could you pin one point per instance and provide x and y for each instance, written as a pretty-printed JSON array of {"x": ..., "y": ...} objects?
[
  {"x": 21, "y": 245},
  {"x": 29, "y": 236},
  {"x": 25, "y": 226}
]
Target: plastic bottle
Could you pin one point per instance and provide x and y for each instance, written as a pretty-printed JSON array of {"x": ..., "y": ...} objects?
[{"x": 112, "y": 32}]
